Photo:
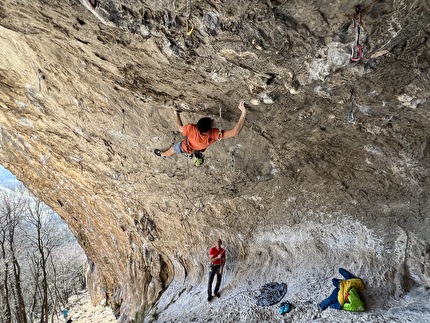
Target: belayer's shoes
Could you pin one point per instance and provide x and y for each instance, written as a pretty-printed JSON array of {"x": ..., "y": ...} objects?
[
  {"x": 210, "y": 298},
  {"x": 217, "y": 295},
  {"x": 157, "y": 152},
  {"x": 284, "y": 308}
]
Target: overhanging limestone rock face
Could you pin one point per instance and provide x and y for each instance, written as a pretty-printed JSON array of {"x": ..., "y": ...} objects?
[{"x": 87, "y": 94}]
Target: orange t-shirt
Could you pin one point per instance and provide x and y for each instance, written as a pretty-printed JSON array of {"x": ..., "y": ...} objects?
[{"x": 196, "y": 141}]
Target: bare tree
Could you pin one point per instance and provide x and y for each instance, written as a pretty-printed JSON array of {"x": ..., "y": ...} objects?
[
  {"x": 45, "y": 239},
  {"x": 6, "y": 314},
  {"x": 40, "y": 260},
  {"x": 34, "y": 271},
  {"x": 11, "y": 208}
]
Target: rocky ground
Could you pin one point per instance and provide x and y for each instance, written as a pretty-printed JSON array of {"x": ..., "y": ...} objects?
[
  {"x": 306, "y": 258},
  {"x": 82, "y": 310}
]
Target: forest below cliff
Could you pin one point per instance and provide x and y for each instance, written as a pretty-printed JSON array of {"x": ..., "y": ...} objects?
[{"x": 41, "y": 264}]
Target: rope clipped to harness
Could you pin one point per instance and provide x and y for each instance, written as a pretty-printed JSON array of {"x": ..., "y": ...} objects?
[{"x": 357, "y": 48}]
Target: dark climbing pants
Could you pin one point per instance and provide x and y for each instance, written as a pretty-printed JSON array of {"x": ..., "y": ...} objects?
[
  {"x": 345, "y": 273},
  {"x": 332, "y": 300},
  {"x": 215, "y": 270}
]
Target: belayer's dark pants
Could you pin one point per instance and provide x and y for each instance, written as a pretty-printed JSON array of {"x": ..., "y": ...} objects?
[{"x": 214, "y": 271}]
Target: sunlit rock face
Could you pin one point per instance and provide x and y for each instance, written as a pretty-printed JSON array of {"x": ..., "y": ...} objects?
[{"x": 331, "y": 168}]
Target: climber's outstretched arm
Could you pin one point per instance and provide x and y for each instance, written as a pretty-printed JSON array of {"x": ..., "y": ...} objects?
[
  {"x": 178, "y": 121},
  {"x": 239, "y": 125}
]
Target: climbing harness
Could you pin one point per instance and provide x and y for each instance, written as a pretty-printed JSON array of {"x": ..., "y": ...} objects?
[
  {"x": 197, "y": 156},
  {"x": 123, "y": 121},
  {"x": 188, "y": 29},
  {"x": 357, "y": 49}
]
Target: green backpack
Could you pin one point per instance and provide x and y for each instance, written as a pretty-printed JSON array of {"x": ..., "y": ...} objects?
[{"x": 355, "y": 304}]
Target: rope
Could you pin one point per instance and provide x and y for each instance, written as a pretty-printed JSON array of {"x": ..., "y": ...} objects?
[
  {"x": 220, "y": 123},
  {"x": 123, "y": 121},
  {"x": 242, "y": 293},
  {"x": 188, "y": 9}
]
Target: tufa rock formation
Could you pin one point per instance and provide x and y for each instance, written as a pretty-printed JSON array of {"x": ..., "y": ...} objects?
[{"x": 331, "y": 168}]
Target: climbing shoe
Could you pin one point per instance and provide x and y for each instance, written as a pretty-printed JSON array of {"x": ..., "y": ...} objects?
[
  {"x": 157, "y": 152},
  {"x": 198, "y": 161},
  {"x": 198, "y": 158}
]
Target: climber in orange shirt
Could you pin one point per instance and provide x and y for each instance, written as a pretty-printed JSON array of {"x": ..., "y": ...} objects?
[{"x": 200, "y": 136}]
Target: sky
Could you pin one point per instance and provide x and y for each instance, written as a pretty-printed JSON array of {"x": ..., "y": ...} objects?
[
  {"x": 8, "y": 181},
  {"x": 6, "y": 177}
]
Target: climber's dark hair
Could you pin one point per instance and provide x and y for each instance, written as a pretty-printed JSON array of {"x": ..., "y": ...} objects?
[{"x": 204, "y": 125}]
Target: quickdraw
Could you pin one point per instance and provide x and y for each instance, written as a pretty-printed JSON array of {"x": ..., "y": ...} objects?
[
  {"x": 357, "y": 49},
  {"x": 188, "y": 30},
  {"x": 351, "y": 117}
]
